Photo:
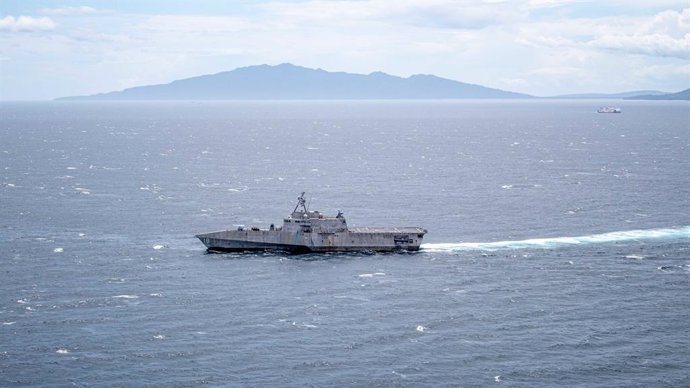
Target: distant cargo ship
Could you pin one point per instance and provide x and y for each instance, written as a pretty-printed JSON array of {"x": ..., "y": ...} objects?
[
  {"x": 608, "y": 109},
  {"x": 306, "y": 231}
]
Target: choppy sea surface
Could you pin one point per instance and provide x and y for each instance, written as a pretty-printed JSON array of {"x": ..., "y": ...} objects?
[{"x": 558, "y": 251}]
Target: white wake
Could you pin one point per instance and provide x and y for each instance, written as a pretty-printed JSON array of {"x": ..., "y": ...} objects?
[{"x": 556, "y": 242}]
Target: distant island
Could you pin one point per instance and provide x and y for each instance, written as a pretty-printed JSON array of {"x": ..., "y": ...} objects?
[
  {"x": 290, "y": 82},
  {"x": 607, "y": 96},
  {"x": 682, "y": 95}
]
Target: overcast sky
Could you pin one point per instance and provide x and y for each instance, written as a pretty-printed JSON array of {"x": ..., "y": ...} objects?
[{"x": 50, "y": 49}]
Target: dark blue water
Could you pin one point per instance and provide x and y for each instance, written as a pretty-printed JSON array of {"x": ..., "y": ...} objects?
[{"x": 558, "y": 251}]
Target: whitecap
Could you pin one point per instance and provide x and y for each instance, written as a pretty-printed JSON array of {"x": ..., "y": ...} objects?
[
  {"x": 62, "y": 351},
  {"x": 125, "y": 297},
  {"x": 9, "y": 323},
  {"x": 71, "y": 168},
  {"x": 158, "y": 247},
  {"x": 156, "y": 295},
  {"x": 58, "y": 250},
  {"x": 668, "y": 267},
  {"x": 306, "y": 325},
  {"x": 371, "y": 275},
  {"x": 357, "y": 298},
  {"x": 421, "y": 328},
  {"x": 637, "y": 257},
  {"x": 497, "y": 379},
  {"x": 159, "y": 336}
]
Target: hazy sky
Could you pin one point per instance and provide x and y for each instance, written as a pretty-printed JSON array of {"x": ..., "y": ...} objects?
[{"x": 543, "y": 47}]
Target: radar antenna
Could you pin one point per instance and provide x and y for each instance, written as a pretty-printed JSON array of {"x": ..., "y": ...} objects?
[{"x": 301, "y": 202}]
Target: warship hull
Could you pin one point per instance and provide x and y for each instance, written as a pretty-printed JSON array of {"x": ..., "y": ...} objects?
[
  {"x": 306, "y": 231},
  {"x": 354, "y": 240}
]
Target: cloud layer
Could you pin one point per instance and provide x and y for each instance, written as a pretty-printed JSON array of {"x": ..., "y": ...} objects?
[
  {"x": 26, "y": 24},
  {"x": 667, "y": 34},
  {"x": 541, "y": 47},
  {"x": 64, "y": 11}
]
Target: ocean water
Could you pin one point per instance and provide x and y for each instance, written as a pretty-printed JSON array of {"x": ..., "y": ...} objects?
[{"x": 558, "y": 251}]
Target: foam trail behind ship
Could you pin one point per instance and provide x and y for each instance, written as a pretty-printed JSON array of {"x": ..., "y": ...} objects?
[{"x": 679, "y": 233}]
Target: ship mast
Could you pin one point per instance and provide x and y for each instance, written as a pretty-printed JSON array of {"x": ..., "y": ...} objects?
[{"x": 301, "y": 202}]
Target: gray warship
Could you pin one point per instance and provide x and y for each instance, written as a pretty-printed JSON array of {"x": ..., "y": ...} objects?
[{"x": 306, "y": 231}]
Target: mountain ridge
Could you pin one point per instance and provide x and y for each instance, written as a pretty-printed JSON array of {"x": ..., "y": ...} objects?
[{"x": 290, "y": 82}]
